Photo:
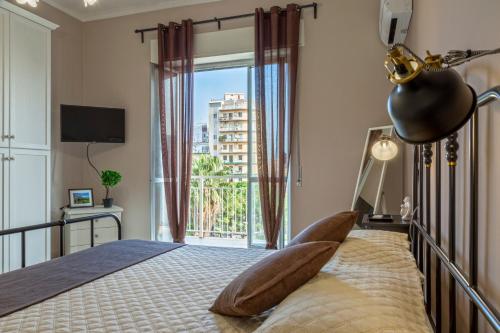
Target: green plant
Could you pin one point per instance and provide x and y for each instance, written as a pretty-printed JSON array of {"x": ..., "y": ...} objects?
[{"x": 109, "y": 179}]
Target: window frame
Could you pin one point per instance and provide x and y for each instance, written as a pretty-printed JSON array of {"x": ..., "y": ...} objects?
[{"x": 243, "y": 60}]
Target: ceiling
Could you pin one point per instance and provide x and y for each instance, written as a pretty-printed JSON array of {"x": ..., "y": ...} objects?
[{"x": 114, "y": 8}]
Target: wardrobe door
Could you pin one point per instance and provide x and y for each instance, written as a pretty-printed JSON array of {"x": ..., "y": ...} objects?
[
  {"x": 29, "y": 84},
  {"x": 29, "y": 204},
  {"x": 4, "y": 77},
  {"x": 4, "y": 185}
]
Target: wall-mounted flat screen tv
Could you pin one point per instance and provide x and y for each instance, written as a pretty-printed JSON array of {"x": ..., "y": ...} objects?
[{"x": 92, "y": 124}]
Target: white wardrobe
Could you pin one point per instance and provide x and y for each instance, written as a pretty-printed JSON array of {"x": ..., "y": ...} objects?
[{"x": 25, "y": 108}]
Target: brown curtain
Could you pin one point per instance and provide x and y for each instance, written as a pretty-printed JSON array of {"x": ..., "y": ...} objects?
[
  {"x": 276, "y": 58},
  {"x": 175, "y": 63}
]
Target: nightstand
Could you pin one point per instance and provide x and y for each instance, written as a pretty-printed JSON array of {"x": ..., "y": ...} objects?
[
  {"x": 396, "y": 224},
  {"x": 77, "y": 236}
]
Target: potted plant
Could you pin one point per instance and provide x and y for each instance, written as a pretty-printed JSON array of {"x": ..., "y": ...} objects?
[{"x": 109, "y": 179}]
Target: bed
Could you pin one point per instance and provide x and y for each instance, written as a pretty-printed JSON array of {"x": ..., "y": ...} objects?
[{"x": 372, "y": 277}]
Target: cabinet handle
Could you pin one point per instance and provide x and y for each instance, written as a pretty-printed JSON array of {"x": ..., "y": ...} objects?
[
  {"x": 12, "y": 158},
  {"x": 96, "y": 236},
  {"x": 12, "y": 136}
]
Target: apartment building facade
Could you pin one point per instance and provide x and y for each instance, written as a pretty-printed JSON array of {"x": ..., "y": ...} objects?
[{"x": 228, "y": 131}]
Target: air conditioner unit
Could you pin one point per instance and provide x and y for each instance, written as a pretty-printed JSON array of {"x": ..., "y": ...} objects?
[{"x": 395, "y": 18}]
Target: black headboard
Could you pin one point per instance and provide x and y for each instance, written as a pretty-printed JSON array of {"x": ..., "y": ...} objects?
[{"x": 424, "y": 245}]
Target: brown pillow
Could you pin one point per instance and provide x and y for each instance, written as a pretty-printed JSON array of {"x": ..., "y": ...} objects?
[
  {"x": 332, "y": 228},
  {"x": 272, "y": 279}
]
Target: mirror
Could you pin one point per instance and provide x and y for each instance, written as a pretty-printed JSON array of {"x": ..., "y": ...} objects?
[{"x": 379, "y": 189}]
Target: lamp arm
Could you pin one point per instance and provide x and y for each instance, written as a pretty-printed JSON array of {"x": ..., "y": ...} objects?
[{"x": 488, "y": 96}]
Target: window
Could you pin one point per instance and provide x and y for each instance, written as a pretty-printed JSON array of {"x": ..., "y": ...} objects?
[
  {"x": 240, "y": 147},
  {"x": 240, "y": 157},
  {"x": 225, "y": 158},
  {"x": 240, "y": 114}
]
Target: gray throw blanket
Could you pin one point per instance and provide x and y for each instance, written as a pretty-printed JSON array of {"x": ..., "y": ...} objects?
[{"x": 31, "y": 285}]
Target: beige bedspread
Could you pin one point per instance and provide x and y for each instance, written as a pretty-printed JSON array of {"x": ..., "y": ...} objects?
[{"x": 172, "y": 292}]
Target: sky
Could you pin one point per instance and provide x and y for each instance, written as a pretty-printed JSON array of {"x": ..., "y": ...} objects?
[{"x": 212, "y": 85}]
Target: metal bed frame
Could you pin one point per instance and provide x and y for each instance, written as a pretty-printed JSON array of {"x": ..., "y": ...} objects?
[
  {"x": 423, "y": 244},
  {"x": 61, "y": 224}
]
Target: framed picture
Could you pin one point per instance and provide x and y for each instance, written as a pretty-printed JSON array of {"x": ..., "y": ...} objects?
[{"x": 82, "y": 197}]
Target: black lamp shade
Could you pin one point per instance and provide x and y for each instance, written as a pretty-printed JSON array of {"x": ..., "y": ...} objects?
[{"x": 431, "y": 106}]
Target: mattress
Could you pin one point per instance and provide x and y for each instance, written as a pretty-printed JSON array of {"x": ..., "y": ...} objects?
[{"x": 172, "y": 292}]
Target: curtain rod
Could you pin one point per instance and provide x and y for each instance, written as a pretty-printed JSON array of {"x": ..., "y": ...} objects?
[{"x": 218, "y": 20}]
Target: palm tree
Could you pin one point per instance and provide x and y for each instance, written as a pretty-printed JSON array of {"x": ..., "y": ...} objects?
[{"x": 207, "y": 165}]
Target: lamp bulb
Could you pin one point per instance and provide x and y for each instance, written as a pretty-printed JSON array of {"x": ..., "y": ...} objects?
[
  {"x": 32, "y": 3},
  {"x": 384, "y": 149},
  {"x": 89, "y": 2}
]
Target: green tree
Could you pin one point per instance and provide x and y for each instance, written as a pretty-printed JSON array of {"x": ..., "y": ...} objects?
[
  {"x": 207, "y": 165},
  {"x": 223, "y": 198}
]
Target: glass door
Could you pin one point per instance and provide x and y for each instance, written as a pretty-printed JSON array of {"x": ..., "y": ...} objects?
[{"x": 225, "y": 204}]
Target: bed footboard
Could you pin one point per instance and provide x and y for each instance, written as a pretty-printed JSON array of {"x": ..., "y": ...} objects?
[{"x": 61, "y": 224}]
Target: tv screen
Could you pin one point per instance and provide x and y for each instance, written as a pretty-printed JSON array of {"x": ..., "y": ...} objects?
[{"x": 92, "y": 124}]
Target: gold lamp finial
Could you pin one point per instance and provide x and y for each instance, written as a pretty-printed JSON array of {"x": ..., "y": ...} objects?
[{"x": 400, "y": 68}]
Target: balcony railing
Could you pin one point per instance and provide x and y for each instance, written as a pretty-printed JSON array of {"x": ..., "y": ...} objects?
[
  {"x": 235, "y": 162},
  {"x": 218, "y": 207},
  {"x": 234, "y": 106},
  {"x": 233, "y": 118},
  {"x": 233, "y": 151},
  {"x": 219, "y": 214},
  {"x": 232, "y": 138},
  {"x": 232, "y": 129}
]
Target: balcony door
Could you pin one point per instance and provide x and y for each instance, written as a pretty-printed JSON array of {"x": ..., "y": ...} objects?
[{"x": 225, "y": 204}]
